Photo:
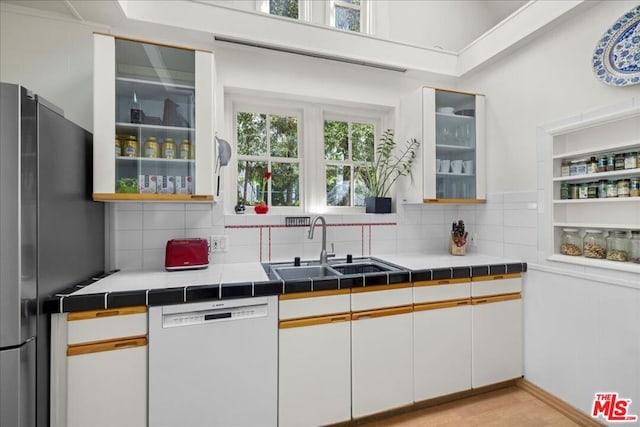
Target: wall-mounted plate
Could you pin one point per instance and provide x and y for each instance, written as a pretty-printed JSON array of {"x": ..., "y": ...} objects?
[{"x": 616, "y": 59}]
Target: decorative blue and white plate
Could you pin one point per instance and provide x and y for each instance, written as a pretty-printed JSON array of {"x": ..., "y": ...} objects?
[{"x": 616, "y": 60}]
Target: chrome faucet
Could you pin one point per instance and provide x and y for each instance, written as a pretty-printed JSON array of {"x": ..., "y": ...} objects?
[{"x": 323, "y": 253}]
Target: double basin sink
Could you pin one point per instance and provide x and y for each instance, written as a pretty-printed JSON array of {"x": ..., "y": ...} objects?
[{"x": 335, "y": 267}]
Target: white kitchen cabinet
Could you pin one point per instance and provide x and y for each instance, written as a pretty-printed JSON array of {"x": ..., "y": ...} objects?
[
  {"x": 107, "y": 384},
  {"x": 496, "y": 318},
  {"x": 598, "y": 134},
  {"x": 314, "y": 368},
  {"x": 441, "y": 338},
  {"x": 145, "y": 92},
  {"x": 451, "y": 165},
  {"x": 381, "y": 351},
  {"x": 99, "y": 368}
]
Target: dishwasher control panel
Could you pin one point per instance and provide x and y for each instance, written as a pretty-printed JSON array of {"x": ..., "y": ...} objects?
[{"x": 214, "y": 315}]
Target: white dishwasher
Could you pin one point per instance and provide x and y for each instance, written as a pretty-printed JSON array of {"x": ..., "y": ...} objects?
[{"x": 214, "y": 363}]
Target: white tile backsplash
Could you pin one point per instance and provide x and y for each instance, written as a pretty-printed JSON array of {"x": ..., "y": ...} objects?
[{"x": 506, "y": 225}]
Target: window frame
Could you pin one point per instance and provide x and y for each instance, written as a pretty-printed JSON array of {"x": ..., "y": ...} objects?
[
  {"x": 349, "y": 118},
  {"x": 311, "y": 114},
  {"x": 366, "y": 16},
  {"x": 304, "y": 9}
]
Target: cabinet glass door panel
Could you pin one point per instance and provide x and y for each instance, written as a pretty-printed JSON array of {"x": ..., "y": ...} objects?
[
  {"x": 155, "y": 118},
  {"x": 455, "y": 145}
]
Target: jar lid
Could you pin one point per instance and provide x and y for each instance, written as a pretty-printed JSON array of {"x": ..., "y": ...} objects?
[
  {"x": 168, "y": 140},
  {"x": 619, "y": 233},
  {"x": 151, "y": 138},
  {"x": 594, "y": 231},
  {"x": 570, "y": 230}
]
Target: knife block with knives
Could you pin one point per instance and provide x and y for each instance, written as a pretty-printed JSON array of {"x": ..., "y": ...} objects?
[{"x": 458, "y": 240}]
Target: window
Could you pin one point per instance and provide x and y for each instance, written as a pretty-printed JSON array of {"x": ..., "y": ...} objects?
[
  {"x": 295, "y": 9},
  {"x": 349, "y": 15},
  {"x": 312, "y": 150},
  {"x": 348, "y": 146},
  {"x": 268, "y": 143}
]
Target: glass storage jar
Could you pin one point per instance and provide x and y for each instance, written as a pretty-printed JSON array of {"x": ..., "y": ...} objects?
[
  {"x": 583, "y": 191},
  {"x": 612, "y": 188},
  {"x": 151, "y": 148},
  {"x": 602, "y": 163},
  {"x": 634, "y": 187},
  {"x": 611, "y": 162},
  {"x": 618, "y": 246},
  {"x": 602, "y": 189},
  {"x": 592, "y": 165},
  {"x": 594, "y": 244},
  {"x": 623, "y": 187},
  {"x": 619, "y": 161},
  {"x": 564, "y": 191},
  {"x": 630, "y": 160},
  {"x": 571, "y": 242},
  {"x": 565, "y": 168},
  {"x": 634, "y": 255}
]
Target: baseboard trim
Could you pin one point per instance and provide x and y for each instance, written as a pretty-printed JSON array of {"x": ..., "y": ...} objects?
[{"x": 558, "y": 404}]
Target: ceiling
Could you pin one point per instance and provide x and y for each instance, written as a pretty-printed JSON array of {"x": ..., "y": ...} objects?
[{"x": 107, "y": 12}]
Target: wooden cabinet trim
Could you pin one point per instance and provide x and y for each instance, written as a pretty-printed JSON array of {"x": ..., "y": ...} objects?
[
  {"x": 311, "y": 321},
  {"x": 151, "y": 42},
  {"x": 381, "y": 287},
  {"x": 442, "y": 304},
  {"x": 100, "y": 314},
  {"x": 452, "y": 90},
  {"x": 314, "y": 294},
  {"x": 125, "y": 197},
  {"x": 97, "y": 347},
  {"x": 361, "y": 315},
  {"x": 495, "y": 298},
  {"x": 496, "y": 277},
  {"x": 464, "y": 280}
]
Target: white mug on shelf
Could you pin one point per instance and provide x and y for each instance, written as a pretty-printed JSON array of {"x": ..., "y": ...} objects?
[
  {"x": 468, "y": 167},
  {"x": 456, "y": 166},
  {"x": 444, "y": 166}
]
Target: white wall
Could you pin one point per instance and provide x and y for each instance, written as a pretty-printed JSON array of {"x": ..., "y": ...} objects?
[{"x": 546, "y": 79}]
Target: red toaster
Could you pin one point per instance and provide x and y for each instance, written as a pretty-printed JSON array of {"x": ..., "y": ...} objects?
[{"x": 186, "y": 254}]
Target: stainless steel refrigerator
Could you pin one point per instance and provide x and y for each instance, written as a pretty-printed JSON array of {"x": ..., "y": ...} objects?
[{"x": 51, "y": 236}]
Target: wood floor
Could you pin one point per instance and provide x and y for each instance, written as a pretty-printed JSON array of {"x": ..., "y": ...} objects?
[{"x": 506, "y": 407}]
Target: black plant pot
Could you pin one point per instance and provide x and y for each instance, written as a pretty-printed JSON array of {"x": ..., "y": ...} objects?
[{"x": 377, "y": 205}]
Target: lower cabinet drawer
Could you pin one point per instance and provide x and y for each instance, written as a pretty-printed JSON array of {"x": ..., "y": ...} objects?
[{"x": 101, "y": 325}]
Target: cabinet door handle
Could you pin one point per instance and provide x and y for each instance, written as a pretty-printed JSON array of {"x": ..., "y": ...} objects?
[
  {"x": 480, "y": 301},
  {"x": 108, "y": 313},
  {"x": 500, "y": 277},
  {"x": 465, "y": 302}
]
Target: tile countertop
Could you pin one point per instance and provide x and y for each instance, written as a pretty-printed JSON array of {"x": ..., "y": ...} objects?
[{"x": 239, "y": 280}]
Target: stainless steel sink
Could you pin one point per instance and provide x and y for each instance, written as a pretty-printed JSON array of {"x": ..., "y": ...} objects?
[
  {"x": 362, "y": 266},
  {"x": 289, "y": 272}
]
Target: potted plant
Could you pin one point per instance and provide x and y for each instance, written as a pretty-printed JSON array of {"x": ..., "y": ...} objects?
[{"x": 390, "y": 164}]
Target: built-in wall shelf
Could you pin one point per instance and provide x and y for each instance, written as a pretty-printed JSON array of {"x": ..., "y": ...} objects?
[
  {"x": 611, "y": 130},
  {"x": 597, "y": 201},
  {"x": 622, "y": 173},
  {"x": 601, "y": 263},
  {"x": 603, "y": 149}
]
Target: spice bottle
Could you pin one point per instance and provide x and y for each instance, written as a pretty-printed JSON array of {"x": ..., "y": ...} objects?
[
  {"x": 565, "y": 168},
  {"x": 612, "y": 188},
  {"x": 592, "y": 165},
  {"x": 130, "y": 148},
  {"x": 630, "y": 160},
  {"x": 564, "y": 191},
  {"x": 602, "y": 163},
  {"x": 634, "y": 187},
  {"x": 611, "y": 162},
  {"x": 619, "y": 161},
  {"x": 623, "y": 188}
]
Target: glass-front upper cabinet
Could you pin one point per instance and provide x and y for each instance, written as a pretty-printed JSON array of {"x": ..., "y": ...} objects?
[
  {"x": 454, "y": 146},
  {"x": 153, "y": 112},
  {"x": 451, "y": 164}
]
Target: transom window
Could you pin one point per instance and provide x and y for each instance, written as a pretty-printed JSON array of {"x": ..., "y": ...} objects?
[
  {"x": 268, "y": 158},
  {"x": 348, "y": 15}
]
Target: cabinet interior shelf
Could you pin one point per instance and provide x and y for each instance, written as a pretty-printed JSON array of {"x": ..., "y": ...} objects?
[
  {"x": 134, "y": 126},
  {"x": 593, "y": 262},
  {"x": 155, "y": 83},
  {"x": 589, "y": 226},
  {"x": 607, "y": 200},
  {"x": 612, "y": 148},
  {"x": 602, "y": 175},
  {"x": 454, "y": 147},
  {"x": 153, "y": 160},
  {"x": 454, "y": 116},
  {"x": 445, "y": 174}
]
